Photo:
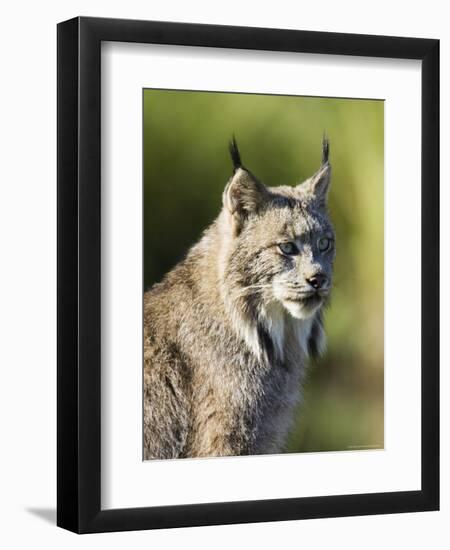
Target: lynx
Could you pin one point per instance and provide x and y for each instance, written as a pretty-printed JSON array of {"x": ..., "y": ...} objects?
[{"x": 228, "y": 331}]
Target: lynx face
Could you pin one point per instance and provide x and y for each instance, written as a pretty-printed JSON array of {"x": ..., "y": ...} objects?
[{"x": 282, "y": 249}]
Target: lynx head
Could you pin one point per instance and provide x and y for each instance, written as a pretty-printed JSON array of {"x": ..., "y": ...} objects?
[{"x": 280, "y": 241}]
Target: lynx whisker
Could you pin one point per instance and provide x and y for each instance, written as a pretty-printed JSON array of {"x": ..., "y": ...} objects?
[
  {"x": 297, "y": 290},
  {"x": 243, "y": 290}
]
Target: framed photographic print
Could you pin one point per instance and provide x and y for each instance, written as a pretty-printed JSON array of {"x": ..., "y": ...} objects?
[{"x": 248, "y": 288}]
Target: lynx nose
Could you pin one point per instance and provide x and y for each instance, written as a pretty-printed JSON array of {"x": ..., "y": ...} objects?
[{"x": 317, "y": 281}]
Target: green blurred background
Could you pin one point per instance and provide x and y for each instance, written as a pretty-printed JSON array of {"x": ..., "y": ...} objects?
[{"x": 186, "y": 166}]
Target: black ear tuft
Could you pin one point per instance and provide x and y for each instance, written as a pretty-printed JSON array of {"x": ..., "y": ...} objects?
[
  {"x": 325, "y": 149},
  {"x": 235, "y": 156}
]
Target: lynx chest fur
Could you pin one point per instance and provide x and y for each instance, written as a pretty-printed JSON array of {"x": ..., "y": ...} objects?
[{"x": 228, "y": 331}]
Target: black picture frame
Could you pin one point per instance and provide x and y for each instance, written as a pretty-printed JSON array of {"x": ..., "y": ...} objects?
[{"x": 79, "y": 281}]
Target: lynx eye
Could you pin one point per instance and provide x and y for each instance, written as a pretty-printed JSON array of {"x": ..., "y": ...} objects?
[
  {"x": 289, "y": 248},
  {"x": 324, "y": 244}
]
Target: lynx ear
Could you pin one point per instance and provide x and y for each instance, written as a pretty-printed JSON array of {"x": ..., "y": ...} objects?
[
  {"x": 318, "y": 185},
  {"x": 244, "y": 194}
]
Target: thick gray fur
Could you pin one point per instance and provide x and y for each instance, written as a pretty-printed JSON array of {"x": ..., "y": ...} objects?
[{"x": 228, "y": 331}]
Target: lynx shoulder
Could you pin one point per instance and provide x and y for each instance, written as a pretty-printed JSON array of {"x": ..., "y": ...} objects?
[{"x": 227, "y": 332}]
